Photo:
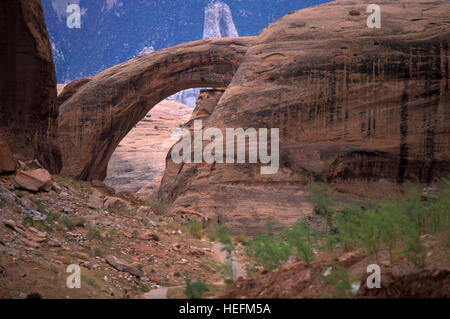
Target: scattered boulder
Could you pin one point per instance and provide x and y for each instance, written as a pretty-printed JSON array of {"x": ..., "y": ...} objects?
[
  {"x": 56, "y": 188},
  {"x": 28, "y": 204},
  {"x": 7, "y": 161},
  {"x": 114, "y": 203},
  {"x": 35, "y": 215},
  {"x": 95, "y": 202},
  {"x": 122, "y": 265},
  {"x": 35, "y": 180},
  {"x": 144, "y": 210},
  {"x": 53, "y": 242}
]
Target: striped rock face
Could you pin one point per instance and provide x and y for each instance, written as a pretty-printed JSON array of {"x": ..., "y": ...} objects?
[{"x": 352, "y": 103}]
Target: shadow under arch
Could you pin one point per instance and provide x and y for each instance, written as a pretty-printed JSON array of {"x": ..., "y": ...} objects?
[{"x": 101, "y": 111}]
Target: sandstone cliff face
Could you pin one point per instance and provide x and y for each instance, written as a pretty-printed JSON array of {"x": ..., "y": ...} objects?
[
  {"x": 352, "y": 103},
  {"x": 28, "y": 109},
  {"x": 100, "y": 114}
]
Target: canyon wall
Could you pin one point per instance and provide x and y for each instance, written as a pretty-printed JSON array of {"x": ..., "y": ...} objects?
[
  {"x": 28, "y": 108},
  {"x": 351, "y": 103}
]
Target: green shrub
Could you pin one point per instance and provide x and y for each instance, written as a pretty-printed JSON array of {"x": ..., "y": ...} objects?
[
  {"x": 110, "y": 235},
  {"x": 302, "y": 238},
  {"x": 97, "y": 251},
  {"x": 135, "y": 234},
  {"x": 195, "y": 290},
  {"x": 224, "y": 235},
  {"x": 158, "y": 207},
  {"x": 195, "y": 228},
  {"x": 93, "y": 233},
  {"x": 66, "y": 221},
  {"x": 340, "y": 282},
  {"x": 27, "y": 220},
  {"x": 322, "y": 197},
  {"x": 271, "y": 251},
  {"x": 41, "y": 207}
]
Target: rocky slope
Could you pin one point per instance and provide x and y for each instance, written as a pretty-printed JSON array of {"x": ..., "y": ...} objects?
[
  {"x": 138, "y": 162},
  {"x": 28, "y": 109},
  {"x": 117, "y": 240}
]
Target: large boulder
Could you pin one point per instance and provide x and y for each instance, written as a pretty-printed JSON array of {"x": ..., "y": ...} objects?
[
  {"x": 35, "y": 180},
  {"x": 122, "y": 265},
  {"x": 28, "y": 108}
]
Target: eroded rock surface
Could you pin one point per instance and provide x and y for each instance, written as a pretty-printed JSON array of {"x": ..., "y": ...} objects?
[
  {"x": 28, "y": 109},
  {"x": 351, "y": 103},
  {"x": 101, "y": 113}
]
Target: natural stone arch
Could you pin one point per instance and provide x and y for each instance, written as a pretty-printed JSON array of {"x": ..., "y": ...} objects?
[{"x": 94, "y": 120}]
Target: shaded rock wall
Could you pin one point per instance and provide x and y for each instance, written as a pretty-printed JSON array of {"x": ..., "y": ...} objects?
[{"x": 28, "y": 108}]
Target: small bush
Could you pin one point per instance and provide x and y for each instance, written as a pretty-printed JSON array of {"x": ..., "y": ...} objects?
[
  {"x": 110, "y": 235},
  {"x": 302, "y": 238},
  {"x": 93, "y": 233},
  {"x": 135, "y": 234},
  {"x": 66, "y": 221},
  {"x": 27, "y": 220},
  {"x": 195, "y": 290},
  {"x": 195, "y": 228},
  {"x": 340, "y": 281},
  {"x": 41, "y": 207},
  {"x": 223, "y": 235},
  {"x": 154, "y": 237},
  {"x": 271, "y": 251},
  {"x": 322, "y": 197},
  {"x": 97, "y": 251},
  {"x": 158, "y": 207}
]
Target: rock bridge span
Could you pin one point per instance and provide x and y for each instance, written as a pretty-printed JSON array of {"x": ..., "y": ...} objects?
[{"x": 99, "y": 112}]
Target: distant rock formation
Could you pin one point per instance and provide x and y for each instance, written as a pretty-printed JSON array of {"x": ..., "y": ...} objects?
[
  {"x": 28, "y": 107},
  {"x": 218, "y": 24},
  {"x": 219, "y": 21}
]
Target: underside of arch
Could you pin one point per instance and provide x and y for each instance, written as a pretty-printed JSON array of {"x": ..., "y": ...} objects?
[{"x": 101, "y": 112}]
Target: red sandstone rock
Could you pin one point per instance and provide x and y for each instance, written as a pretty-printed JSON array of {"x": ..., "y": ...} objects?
[
  {"x": 100, "y": 114},
  {"x": 35, "y": 180},
  {"x": 28, "y": 109},
  {"x": 351, "y": 103}
]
